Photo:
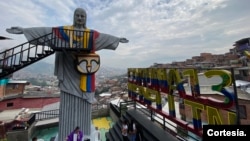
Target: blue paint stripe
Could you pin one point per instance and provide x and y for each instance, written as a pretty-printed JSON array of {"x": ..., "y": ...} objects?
[
  {"x": 163, "y": 83},
  {"x": 159, "y": 106},
  {"x": 197, "y": 88},
  {"x": 88, "y": 83},
  {"x": 172, "y": 113},
  {"x": 227, "y": 94},
  {"x": 197, "y": 123},
  {"x": 140, "y": 97},
  {"x": 63, "y": 34},
  {"x": 155, "y": 82},
  {"x": 180, "y": 87}
]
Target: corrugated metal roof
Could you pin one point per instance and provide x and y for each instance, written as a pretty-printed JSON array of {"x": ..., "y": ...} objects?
[
  {"x": 53, "y": 106},
  {"x": 9, "y": 115}
]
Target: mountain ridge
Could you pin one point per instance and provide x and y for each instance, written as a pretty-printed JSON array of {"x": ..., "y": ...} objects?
[{"x": 43, "y": 69}]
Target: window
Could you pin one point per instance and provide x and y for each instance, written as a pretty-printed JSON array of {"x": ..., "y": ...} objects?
[
  {"x": 242, "y": 111},
  {"x": 10, "y": 104}
]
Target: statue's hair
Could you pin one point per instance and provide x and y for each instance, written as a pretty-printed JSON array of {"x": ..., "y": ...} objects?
[{"x": 82, "y": 10}]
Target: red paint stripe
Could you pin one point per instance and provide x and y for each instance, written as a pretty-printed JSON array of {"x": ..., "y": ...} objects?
[
  {"x": 95, "y": 36},
  {"x": 57, "y": 32}
]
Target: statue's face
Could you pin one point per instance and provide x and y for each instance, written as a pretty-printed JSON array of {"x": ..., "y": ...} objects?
[{"x": 80, "y": 17}]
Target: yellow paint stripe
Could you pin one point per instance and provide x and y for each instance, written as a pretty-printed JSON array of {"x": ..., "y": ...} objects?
[{"x": 83, "y": 83}]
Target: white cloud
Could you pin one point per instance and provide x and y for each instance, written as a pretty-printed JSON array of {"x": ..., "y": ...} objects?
[{"x": 159, "y": 30}]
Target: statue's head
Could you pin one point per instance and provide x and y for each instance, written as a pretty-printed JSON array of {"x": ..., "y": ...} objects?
[{"x": 80, "y": 18}]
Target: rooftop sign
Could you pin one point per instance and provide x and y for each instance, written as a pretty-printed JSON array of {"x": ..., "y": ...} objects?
[{"x": 146, "y": 85}]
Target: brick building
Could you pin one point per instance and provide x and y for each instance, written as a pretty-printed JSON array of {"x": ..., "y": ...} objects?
[
  {"x": 12, "y": 96},
  {"x": 14, "y": 88}
]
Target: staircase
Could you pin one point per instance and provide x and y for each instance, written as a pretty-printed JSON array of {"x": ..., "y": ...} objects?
[
  {"x": 150, "y": 130},
  {"x": 18, "y": 57}
]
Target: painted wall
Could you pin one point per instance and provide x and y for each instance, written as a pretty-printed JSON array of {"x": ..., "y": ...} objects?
[{"x": 38, "y": 102}]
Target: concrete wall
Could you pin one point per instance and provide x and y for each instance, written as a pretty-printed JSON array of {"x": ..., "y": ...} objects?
[
  {"x": 104, "y": 112},
  {"x": 20, "y": 135}
]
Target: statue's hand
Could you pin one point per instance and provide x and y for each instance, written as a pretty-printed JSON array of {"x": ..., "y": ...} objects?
[
  {"x": 15, "y": 30},
  {"x": 123, "y": 40}
]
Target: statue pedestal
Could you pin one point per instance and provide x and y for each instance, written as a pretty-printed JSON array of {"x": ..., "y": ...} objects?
[
  {"x": 74, "y": 112},
  {"x": 90, "y": 137}
]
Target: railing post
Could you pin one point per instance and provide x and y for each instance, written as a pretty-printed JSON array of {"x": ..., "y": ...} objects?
[
  {"x": 120, "y": 109},
  {"x": 151, "y": 115},
  {"x": 164, "y": 123},
  {"x": 236, "y": 98}
]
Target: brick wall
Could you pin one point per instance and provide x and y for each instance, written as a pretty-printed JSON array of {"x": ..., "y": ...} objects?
[
  {"x": 14, "y": 89},
  {"x": 1, "y": 91}
]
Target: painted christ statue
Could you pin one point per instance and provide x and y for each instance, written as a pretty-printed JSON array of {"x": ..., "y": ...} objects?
[{"x": 77, "y": 83}]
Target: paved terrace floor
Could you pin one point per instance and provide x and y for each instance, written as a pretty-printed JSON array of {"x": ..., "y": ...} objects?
[{"x": 103, "y": 124}]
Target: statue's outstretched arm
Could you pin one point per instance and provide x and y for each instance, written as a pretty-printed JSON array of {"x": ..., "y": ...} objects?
[
  {"x": 124, "y": 40},
  {"x": 15, "y": 30}
]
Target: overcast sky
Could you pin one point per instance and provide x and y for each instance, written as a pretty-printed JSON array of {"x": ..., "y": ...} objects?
[{"x": 159, "y": 31}]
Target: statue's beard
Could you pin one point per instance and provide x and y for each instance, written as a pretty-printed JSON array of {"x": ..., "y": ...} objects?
[{"x": 79, "y": 25}]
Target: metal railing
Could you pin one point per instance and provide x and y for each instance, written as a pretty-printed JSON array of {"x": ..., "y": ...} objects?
[
  {"x": 24, "y": 54},
  {"x": 163, "y": 122},
  {"x": 115, "y": 109},
  {"x": 20, "y": 56},
  {"x": 44, "y": 115}
]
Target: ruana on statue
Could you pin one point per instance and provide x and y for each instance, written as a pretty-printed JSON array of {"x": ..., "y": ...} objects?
[{"x": 76, "y": 80}]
